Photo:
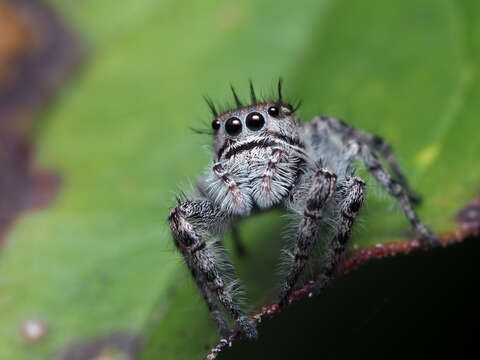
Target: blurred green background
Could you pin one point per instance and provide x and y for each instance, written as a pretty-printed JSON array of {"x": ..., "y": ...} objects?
[{"x": 100, "y": 259}]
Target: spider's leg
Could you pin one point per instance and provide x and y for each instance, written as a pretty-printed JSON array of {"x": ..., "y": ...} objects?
[
  {"x": 384, "y": 148},
  {"x": 190, "y": 221},
  {"x": 352, "y": 194},
  {"x": 396, "y": 190},
  {"x": 376, "y": 143},
  {"x": 322, "y": 187},
  {"x": 211, "y": 303}
]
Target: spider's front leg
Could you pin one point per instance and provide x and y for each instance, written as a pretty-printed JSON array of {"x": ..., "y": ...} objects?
[
  {"x": 351, "y": 195},
  {"x": 191, "y": 222},
  {"x": 322, "y": 188}
]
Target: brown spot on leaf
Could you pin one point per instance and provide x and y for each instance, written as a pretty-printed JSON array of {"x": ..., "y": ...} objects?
[
  {"x": 33, "y": 330},
  {"x": 469, "y": 218},
  {"x": 37, "y": 53},
  {"x": 120, "y": 346}
]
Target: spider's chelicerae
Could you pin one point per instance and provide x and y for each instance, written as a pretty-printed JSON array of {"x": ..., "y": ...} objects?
[{"x": 265, "y": 157}]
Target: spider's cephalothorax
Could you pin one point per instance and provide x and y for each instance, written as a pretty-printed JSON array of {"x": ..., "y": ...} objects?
[{"x": 264, "y": 157}]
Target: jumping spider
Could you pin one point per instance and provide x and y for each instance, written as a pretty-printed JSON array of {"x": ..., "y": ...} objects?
[{"x": 265, "y": 157}]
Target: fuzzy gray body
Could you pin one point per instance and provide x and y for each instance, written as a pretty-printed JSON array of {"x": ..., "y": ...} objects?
[{"x": 263, "y": 158}]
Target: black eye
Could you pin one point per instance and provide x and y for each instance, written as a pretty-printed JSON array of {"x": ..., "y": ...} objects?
[
  {"x": 215, "y": 125},
  {"x": 255, "y": 121},
  {"x": 273, "y": 111},
  {"x": 233, "y": 126}
]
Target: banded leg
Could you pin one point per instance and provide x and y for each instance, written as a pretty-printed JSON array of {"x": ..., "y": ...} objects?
[
  {"x": 211, "y": 303},
  {"x": 189, "y": 222},
  {"x": 377, "y": 144},
  {"x": 322, "y": 188},
  {"x": 385, "y": 149},
  {"x": 352, "y": 195},
  {"x": 397, "y": 191}
]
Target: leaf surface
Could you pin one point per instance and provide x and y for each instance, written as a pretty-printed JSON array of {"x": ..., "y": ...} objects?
[{"x": 101, "y": 259}]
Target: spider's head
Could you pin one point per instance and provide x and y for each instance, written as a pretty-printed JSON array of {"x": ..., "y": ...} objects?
[{"x": 254, "y": 121}]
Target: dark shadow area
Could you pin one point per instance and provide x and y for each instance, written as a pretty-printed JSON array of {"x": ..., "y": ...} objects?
[{"x": 423, "y": 305}]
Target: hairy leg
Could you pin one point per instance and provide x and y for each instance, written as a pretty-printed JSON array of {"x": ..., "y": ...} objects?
[
  {"x": 377, "y": 144},
  {"x": 211, "y": 303},
  {"x": 322, "y": 187},
  {"x": 352, "y": 195},
  {"x": 396, "y": 190},
  {"x": 190, "y": 221}
]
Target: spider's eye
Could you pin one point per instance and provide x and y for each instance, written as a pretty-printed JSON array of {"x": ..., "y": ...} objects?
[
  {"x": 215, "y": 125},
  {"x": 255, "y": 121},
  {"x": 233, "y": 126},
  {"x": 273, "y": 111}
]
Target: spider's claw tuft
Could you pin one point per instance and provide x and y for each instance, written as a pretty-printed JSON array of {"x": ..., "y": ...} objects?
[
  {"x": 247, "y": 327},
  {"x": 427, "y": 237}
]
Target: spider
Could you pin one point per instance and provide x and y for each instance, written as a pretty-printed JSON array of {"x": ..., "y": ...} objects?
[{"x": 264, "y": 157}]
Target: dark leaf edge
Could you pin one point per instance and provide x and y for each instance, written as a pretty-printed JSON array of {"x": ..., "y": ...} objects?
[{"x": 468, "y": 225}]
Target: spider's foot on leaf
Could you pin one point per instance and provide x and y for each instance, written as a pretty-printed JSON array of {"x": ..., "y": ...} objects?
[
  {"x": 283, "y": 297},
  {"x": 246, "y": 325},
  {"x": 427, "y": 237}
]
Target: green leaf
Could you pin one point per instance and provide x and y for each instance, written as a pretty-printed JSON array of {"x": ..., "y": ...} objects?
[{"x": 100, "y": 260}]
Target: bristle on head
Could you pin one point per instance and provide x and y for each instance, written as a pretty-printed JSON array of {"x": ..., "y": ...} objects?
[
  {"x": 211, "y": 105},
  {"x": 253, "y": 97},
  {"x": 278, "y": 99},
  {"x": 279, "y": 88},
  {"x": 235, "y": 96},
  {"x": 295, "y": 108}
]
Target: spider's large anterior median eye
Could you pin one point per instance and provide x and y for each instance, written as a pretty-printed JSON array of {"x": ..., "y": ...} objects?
[
  {"x": 255, "y": 121},
  {"x": 273, "y": 111},
  {"x": 215, "y": 125},
  {"x": 233, "y": 126}
]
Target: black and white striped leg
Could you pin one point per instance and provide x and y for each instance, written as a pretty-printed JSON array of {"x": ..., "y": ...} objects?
[
  {"x": 398, "y": 192},
  {"x": 322, "y": 188},
  {"x": 351, "y": 197},
  {"x": 211, "y": 303},
  {"x": 384, "y": 148},
  {"x": 377, "y": 144},
  {"x": 189, "y": 222}
]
